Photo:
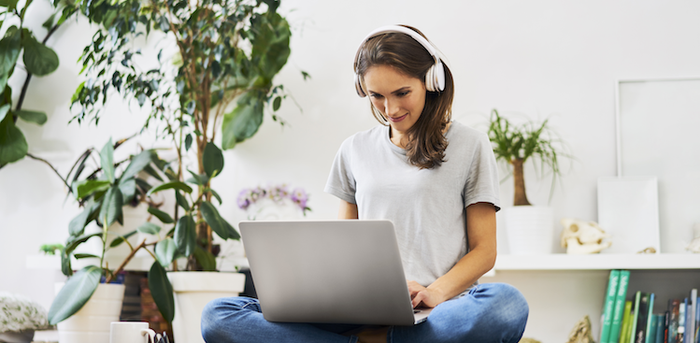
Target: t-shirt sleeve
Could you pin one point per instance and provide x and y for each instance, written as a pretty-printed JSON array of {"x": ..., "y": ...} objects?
[
  {"x": 482, "y": 178},
  {"x": 341, "y": 181}
]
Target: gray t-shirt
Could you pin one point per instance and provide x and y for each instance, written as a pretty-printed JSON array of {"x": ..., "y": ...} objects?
[{"x": 427, "y": 206}]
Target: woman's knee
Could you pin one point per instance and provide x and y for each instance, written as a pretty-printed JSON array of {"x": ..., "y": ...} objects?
[
  {"x": 219, "y": 316},
  {"x": 510, "y": 308}
]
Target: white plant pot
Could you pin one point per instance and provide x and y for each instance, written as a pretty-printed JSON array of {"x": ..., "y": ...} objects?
[
  {"x": 530, "y": 229},
  {"x": 92, "y": 322},
  {"x": 193, "y": 290},
  {"x": 268, "y": 209}
]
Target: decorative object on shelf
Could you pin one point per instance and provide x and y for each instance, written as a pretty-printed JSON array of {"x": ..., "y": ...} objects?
[
  {"x": 694, "y": 245},
  {"x": 583, "y": 237},
  {"x": 649, "y": 250},
  {"x": 514, "y": 145},
  {"x": 20, "y": 317},
  {"x": 581, "y": 333},
  {"x": 628, "y": 209},
  {"x": 273, "y": 202},
  {"x": 51, "y": 249},
  {"x": 529, "y": 340}
]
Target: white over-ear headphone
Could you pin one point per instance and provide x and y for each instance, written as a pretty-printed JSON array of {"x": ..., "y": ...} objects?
[{"x": 434, "y": 78}]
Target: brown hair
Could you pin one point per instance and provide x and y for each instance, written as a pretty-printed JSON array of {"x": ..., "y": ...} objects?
[{"x": 426, "y": 140}]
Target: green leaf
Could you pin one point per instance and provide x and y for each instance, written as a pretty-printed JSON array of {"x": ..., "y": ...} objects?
[
  {"x": 216, "y": 195},
  {"x": 74, "y": 242},
  {"x": 171, "y": 185},
  {"x": 188, "y": 142},
  {"x": 87, "y": 187},
  {"x": 128, "y": 189},
  {"x": 213, "y": 160},
  {"x": 149, "y": 228},
  {"x": 10, "y": 47},
  {"x": 107, "y": 160},
  {"x": 270, "y": 39},
  {"x": 13, "y": 145},
  {"x": 4, "y": 110},
  {"x": 277, "y": 103},
  {"x": 74, "y": 294},
  {"x": 162, "y": 291},
  {"x": 77, "y": 224},
  {"x": 35, "y": 117},
  {"x": 10, "y": 4},
  {"x": 200, "y": 180},
  {"x": 185, "y": 235},
  {"x": 232, "y": 233},
  {"x": 205, "y": 259},
  {"x": 181, "y": 201},
  {"x": 212, "y": 217},
  {"x": 121, "y": 239},
  {"x": 162, "y": 216},
  {"x": 66, "y": 267},
  {"x": 244, "y": 121},
  {"x": 39, "y": 59},
  {"x": 81, "y": 256},
  {"x": 111, "y": 206},
  {"x": 165, "y": 251},
  {"x": 48, "y": 24},
  {"x": 137, "y": 164}
]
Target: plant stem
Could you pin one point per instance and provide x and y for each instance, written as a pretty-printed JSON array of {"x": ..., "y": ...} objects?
[
  {"x": 104, "y": 240},
  {"x": 520, "y": 197},
  {"x": 25, "y": 86},
  {"x": 52, "y": 168},
  {"x": 127, "y": 259}
]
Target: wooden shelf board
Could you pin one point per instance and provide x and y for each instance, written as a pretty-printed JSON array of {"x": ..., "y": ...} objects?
[{"x": 597, "y": 261}]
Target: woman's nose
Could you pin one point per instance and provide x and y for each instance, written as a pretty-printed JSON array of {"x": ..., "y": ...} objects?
[{"x": 391, "y": 107}]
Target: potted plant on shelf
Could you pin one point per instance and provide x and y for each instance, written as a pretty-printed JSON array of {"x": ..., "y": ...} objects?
[
  {"x": 530, "y": 228},
  {"x": 84, "y": 299},
  {"x": 218, "y": 82}
]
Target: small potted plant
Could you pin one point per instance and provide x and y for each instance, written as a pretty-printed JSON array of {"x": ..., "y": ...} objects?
[
  {"x": 103, "y": 193},
  {"x": 530, "y": 228}
]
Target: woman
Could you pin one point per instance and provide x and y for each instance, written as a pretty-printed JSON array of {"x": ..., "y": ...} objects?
[{"x": 436, "y": 181}]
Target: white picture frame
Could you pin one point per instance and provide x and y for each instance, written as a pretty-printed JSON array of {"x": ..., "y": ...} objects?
[{"x": 657, "y": 121}]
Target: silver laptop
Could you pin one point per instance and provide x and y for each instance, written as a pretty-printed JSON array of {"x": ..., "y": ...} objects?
[{"x": 340, "y": 271}]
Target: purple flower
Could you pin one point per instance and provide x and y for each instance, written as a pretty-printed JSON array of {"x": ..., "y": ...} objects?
[{"x": 276, "y": 193}]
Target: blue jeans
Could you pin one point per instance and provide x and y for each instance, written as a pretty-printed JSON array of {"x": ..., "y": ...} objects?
[{"x": 491, "y": 312}]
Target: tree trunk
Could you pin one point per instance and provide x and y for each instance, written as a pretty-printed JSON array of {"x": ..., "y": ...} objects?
[{"x": 519, "y": 198}]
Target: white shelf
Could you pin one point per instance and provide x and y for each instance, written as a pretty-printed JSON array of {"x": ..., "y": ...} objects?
[{"x": 597, "y": 262}]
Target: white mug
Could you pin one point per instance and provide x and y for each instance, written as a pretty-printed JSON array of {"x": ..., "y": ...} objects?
[{"x": 130, "y": 332}]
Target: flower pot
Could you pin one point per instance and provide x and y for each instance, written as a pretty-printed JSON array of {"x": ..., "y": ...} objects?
[
  {"x": 193, "y": 290},
  {"x": 530, "y": 229},
  {"x": 92, "y": 322}
]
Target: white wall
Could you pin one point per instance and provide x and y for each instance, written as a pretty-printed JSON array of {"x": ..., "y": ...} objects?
[{"x": 536, "y": 59}]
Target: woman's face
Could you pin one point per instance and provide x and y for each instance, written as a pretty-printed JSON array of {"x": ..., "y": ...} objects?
[{"x": 398, "y": 97}]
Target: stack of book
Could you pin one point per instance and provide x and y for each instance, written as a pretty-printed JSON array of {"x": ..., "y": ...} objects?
[{"x": 634, "y": 321}]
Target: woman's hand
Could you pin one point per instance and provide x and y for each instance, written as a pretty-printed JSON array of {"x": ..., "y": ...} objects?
[{"x": 423, "y": 296}]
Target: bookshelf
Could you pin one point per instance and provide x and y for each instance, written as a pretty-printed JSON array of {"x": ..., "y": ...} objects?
[
  {"x": 562, "y": 288},
  {"x": 597, "y": 262}
]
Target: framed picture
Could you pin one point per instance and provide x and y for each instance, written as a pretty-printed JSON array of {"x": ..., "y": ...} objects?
[{"x": 658, "y": 121}]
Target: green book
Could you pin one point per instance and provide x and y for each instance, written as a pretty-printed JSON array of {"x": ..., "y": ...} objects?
[
  {"x": 634, "y": 316},
  {"x": 626, "y": 326},
  {"x": 609, "y": 305},
  {"x": 651, "y": 325},
  {"x": 619, "y": 309}
]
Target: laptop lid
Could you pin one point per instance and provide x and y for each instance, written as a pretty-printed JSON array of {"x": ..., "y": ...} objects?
[{"x": 340, "y": 271}]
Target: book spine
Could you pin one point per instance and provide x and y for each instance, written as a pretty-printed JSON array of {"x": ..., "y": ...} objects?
[
  {"x": 619, "y": 308},
  {"x": 667, "y": 317},
  {"x": 608, "y": 305},
  {"x": 660, "y": 325},
  {"x": 680, "y": 338},
  {"x": 650, "y": 324},
  {"x": 626, "y": 323},
  {"x": 635, "y": 316},
  {"x": 640, "y": 333},
  {"x": 673, "y": 312},
  {"x": 697, "y": 320},
  {"x": 690, "y": 323}
]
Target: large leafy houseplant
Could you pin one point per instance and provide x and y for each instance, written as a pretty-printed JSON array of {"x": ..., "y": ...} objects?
[
  {"x": 219, "y": 81},
  {"x": 103, "y": 193},
  {"x": 516, "y": 144},
  {"x": 37, "y": 60}
]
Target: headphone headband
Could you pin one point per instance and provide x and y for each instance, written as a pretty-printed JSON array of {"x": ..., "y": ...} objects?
[{"x": 434, "y": 78}]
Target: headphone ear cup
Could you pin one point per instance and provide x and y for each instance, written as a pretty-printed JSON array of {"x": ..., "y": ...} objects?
[
  {"x": 430, "y": 80},
  {"x": 439, "y": 71},
  {"x": 358, "y": 87}
]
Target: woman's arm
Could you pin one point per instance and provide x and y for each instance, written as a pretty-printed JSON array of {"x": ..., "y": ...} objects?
[
  {"x": 347, "y": 210},
  {"x": 481, "y": 233}
]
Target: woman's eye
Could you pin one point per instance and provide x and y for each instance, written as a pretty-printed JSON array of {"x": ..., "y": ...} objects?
[
  {"x": 402, "y": 94},
  {"x": 376, "y": 96}
]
